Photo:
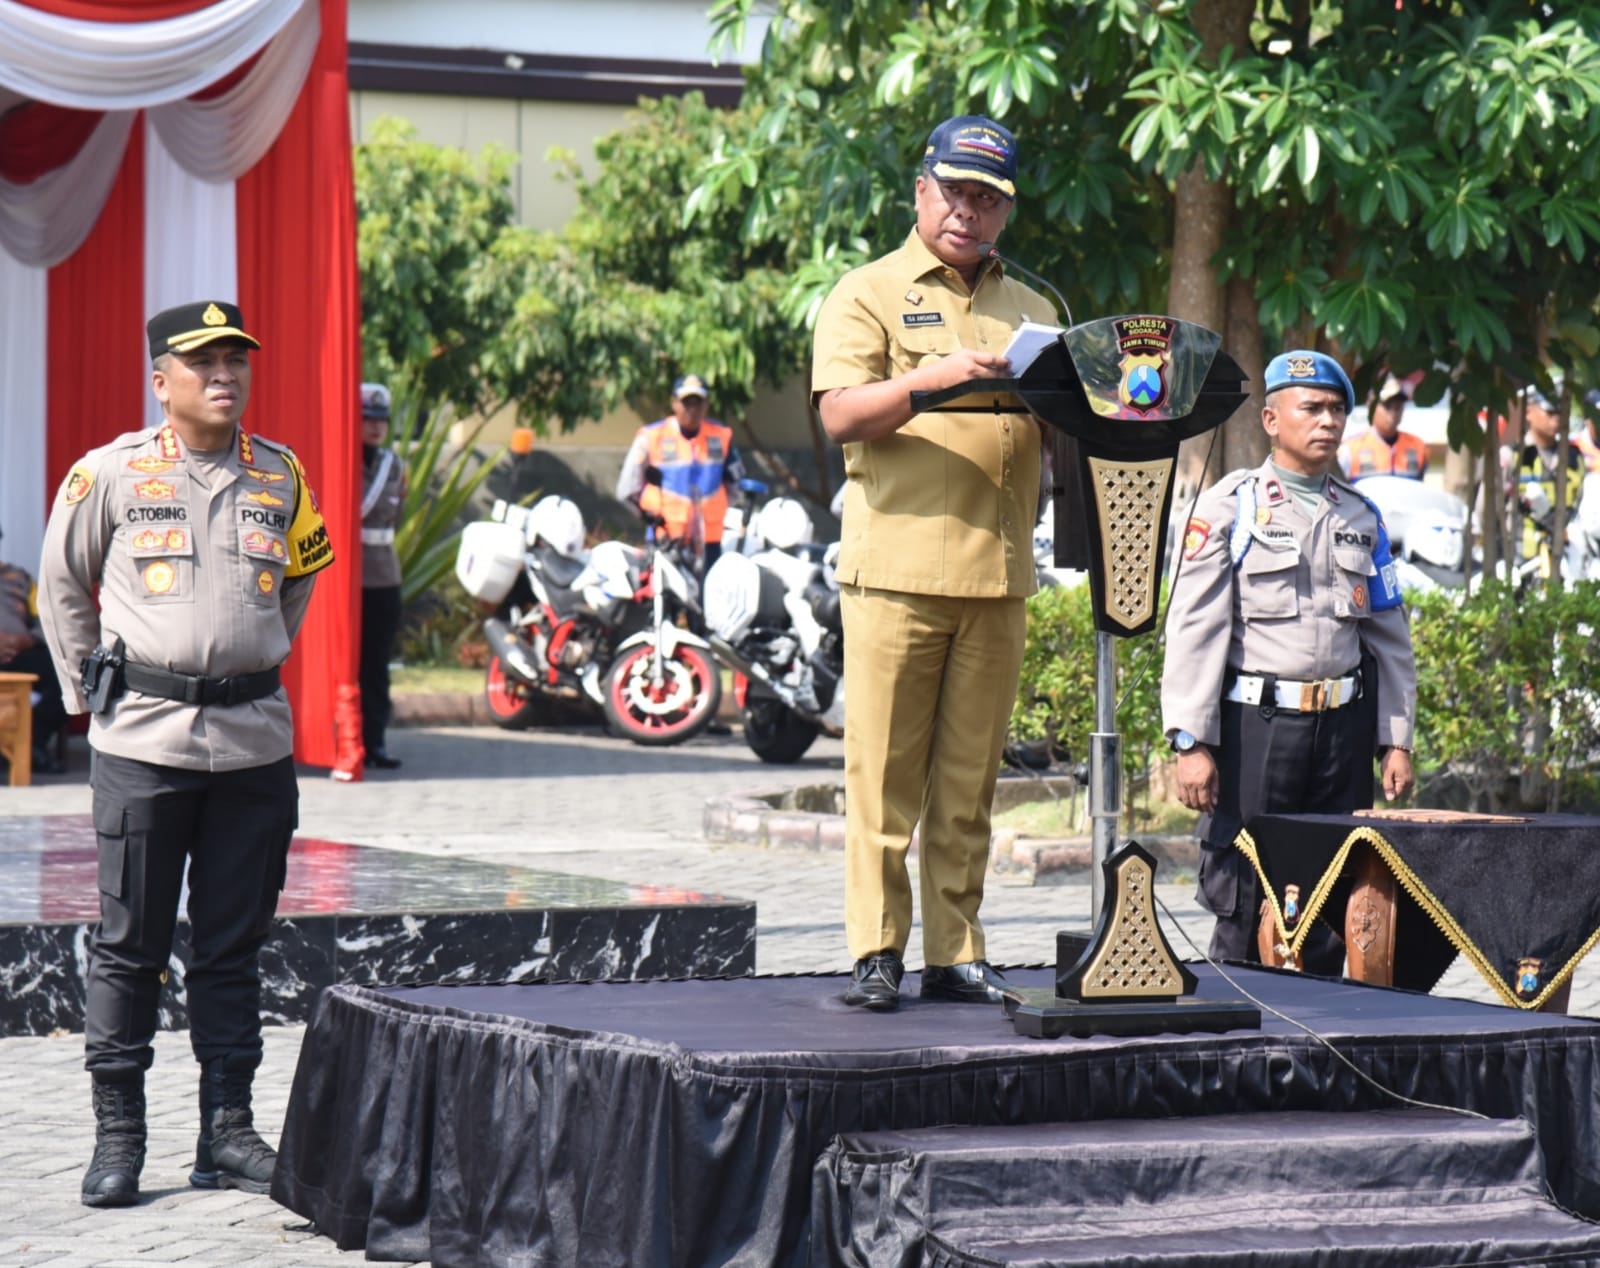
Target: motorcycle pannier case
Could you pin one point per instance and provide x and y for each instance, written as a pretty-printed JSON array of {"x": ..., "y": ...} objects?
[{"x": 489, "y": 559}]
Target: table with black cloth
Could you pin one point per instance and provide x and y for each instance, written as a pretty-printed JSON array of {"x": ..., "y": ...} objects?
[{"x": 1519, "y": 896}]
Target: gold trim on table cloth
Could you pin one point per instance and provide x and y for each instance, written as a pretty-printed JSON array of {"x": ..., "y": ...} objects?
[{"x": 1425, "y": 899}]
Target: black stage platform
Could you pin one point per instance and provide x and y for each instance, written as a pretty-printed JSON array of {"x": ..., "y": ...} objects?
[
  {"x": 677, "y": 1123},
  {"x": 355, "y": 914}
]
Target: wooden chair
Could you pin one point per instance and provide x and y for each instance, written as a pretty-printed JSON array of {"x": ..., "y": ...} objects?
[{"x": 16, "y": 725}]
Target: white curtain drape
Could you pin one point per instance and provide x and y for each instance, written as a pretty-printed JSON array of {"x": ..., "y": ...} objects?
[
  {"x": 23, "y": 496},
  {"x": 130, "y": 65},
  {"x": 222, "y": 138},
  {"x": 190, "y": 248},
  {"x": 44, "y": 221}
]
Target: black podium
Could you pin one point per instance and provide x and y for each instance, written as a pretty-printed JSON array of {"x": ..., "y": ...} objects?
[{"x": 1120, "y": 395}]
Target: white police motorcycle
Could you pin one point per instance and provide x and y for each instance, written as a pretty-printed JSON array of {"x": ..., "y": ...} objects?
[
  {"x": 772, "y": 614},
  {"x": 595, "y": 627}
]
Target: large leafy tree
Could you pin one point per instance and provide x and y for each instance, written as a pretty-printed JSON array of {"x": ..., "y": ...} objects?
[{"x": 1413, "y": 187}]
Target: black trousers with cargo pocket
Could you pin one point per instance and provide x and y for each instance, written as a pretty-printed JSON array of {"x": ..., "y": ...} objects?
[{"x": 231, "y": 830}]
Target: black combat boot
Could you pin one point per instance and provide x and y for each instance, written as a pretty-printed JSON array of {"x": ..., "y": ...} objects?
[
  {"x": 113, "y": 1175},
  {"x": 229, "y": 1154}
]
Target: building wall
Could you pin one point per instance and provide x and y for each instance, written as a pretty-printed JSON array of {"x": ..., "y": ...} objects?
[{"x": 527, "y": 75}]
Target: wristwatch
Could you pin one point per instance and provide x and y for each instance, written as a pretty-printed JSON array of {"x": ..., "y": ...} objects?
[{"x": 1182, "y": 742}]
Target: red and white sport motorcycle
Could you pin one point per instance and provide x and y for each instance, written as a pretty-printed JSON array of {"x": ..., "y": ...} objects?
[{"x": 594, "y": 627}]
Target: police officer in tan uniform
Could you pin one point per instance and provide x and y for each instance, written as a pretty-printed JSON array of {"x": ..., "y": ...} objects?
[
  {"x": 936, "y": 560},
  {"x": 1285, "y": 583},
  {"x": 383, "y": 495},
  {"x": 202, "y": 540}
]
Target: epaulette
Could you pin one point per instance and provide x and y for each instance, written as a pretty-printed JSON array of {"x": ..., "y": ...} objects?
[{"x": 274, "y": 444}]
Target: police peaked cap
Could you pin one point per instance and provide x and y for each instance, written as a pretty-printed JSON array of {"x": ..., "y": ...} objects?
[
  {"x": 1302, "y": 368},
  {"x": 191, "y": 326}
]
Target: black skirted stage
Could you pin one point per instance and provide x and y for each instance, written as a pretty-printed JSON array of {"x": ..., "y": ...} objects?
[{"x": 686, "y": 1123}]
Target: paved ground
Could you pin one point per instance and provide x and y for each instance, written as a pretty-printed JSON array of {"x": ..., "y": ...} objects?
[{"x": 570, "y": 802}]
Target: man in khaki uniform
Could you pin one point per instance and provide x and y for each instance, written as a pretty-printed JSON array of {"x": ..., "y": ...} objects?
[
  {"x": 936, "y": 560},
  {"x": 1284, "y": 585},
  {"x": 202, "y": 540}
]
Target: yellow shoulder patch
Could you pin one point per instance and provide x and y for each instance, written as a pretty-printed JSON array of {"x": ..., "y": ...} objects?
[
  {"x": 309, "y": 548},
  {"x": 78, "y": 483}
]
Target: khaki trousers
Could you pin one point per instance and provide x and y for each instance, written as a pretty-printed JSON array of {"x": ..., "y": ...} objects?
[{"x": 929, "y": 684}]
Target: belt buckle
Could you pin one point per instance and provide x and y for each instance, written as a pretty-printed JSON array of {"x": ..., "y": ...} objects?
[
  {"x": 1313, "y": 696},
  {"x": 226, "y": 690}
]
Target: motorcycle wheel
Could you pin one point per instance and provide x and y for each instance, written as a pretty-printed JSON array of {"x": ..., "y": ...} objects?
[
  {"x": 681, "y": 709},
  {"x": 776, "y": 733},
  {"x": 513, "y": 705}
]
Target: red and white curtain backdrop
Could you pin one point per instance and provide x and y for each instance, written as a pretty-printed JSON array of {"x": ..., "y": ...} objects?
[{"x": 154, "y": 152}]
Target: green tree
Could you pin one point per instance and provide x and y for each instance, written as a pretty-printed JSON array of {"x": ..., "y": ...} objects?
[
  {"x": 428, "y": 219},
  {"x": 1412, "y": 187}
]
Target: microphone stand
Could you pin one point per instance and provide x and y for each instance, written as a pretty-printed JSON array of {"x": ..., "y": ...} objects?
[{"x": 991, "y": 252}]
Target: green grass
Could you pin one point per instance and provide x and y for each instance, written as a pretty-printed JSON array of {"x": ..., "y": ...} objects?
[{"x": 413, "y": 678}]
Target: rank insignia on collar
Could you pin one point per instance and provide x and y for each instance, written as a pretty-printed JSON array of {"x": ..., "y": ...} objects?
[
  {"x": 167, "y": 441},
  {"x": 246, "y": 452}
]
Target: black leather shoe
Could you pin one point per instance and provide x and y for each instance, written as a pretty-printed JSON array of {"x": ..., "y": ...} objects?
[
  {"x": 875, "y": 982},
  {"x": 975, "y": 982},
  {"x": 377, "y": 759}
]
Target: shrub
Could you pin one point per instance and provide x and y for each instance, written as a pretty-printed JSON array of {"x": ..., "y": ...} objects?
[
  {"x": 1506, "y": 691},
  {"x": 1055, "y": 697}
]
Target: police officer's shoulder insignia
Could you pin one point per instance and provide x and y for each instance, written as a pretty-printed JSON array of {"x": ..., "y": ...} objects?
[
  {"x": 1195, "y": 537},
  {"x": 77, "y": 485}
]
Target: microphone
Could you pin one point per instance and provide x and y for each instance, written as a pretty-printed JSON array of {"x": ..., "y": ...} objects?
[{"x": 989, "y": 251}]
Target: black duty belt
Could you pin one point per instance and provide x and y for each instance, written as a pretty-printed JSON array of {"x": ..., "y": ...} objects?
[{"x": 196, "y": 688}]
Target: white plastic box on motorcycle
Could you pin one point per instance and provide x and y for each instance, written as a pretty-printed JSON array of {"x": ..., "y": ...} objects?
[
  {"x": 773, "y": 617},
  {"x": 596, "y": 627}
]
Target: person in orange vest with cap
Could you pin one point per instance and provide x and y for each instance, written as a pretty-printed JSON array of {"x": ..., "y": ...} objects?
[
  {"x": 678, "y": 470},
  {"x": 1383, "y": 449}
]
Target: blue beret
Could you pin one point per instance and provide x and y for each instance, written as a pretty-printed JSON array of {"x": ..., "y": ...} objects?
[{"x": 1309, "y": 369}]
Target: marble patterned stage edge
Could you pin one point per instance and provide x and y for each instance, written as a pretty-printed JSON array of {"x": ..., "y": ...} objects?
[{"x": 364, "y": 916}]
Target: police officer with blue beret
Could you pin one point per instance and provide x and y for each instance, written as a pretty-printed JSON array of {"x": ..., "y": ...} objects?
[
  {"x": 1286, "y": 588},
  {"x": 178, "y": 566}
]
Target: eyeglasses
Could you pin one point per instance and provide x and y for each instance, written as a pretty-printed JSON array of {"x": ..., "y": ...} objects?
[{"x": 978, "y": 196}]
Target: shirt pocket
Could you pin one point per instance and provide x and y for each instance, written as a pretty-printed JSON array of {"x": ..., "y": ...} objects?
[
  {"x": 919, "y": 345},
  {"x": 1352, "y": 583},
  {"x": 1267, "y": 589},
  {"x": 162, "y": 558},
  {"x": 264, "y": 553}
]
